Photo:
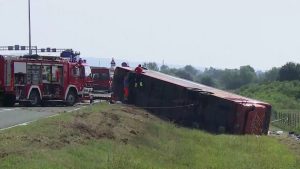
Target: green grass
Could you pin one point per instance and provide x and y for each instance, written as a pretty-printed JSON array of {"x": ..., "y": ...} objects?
[
  {"x": 115, "y": 136},
  {"x": 282, "y": 95}
]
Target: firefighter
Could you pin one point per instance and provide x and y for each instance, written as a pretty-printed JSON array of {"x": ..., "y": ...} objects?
[{"x": 138, "y": 78}]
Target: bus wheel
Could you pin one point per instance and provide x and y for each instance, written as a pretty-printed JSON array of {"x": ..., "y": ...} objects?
[
  {"x": 9, "y": 100},
  {"x": 34, "y": 98},
  {"x": 71, "y": 98}
]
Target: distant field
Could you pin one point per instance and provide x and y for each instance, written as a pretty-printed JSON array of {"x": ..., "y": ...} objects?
[
  {"x": 285, "y": 100},
  {"x": 115, "y": 136}
]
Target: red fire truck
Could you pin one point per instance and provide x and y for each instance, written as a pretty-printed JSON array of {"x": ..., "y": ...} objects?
[
  {"x": 101, "y": 79},
  {"x": 32, "y": 80}
]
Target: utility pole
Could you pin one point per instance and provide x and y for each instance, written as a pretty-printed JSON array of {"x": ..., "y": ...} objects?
[{"x": 29, "y": 23}]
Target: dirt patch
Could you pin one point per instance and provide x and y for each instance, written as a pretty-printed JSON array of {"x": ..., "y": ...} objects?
[
  {"x": 127, "y": 110},
  {"x": 82, "y": 114},
  {"x": 138, "y": 114},
  {"x": 133, "y": 132},
  {"x": 114, "y": 117},
  {"x": 3, "y": 154},
  {"x": 84, "y": 126},
  {"x": 92, "y": 131}
]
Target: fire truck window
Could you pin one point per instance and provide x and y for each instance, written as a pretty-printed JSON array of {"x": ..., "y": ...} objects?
[
  {"x": 87, "y": 70},
  {"x": 33, "y": 74},
  {"x": 57, "y": 74},
  {"x": 76, "y": 72},
  {"x": 82, "y": 74},
  {"x": 54, "y": 74},
  {"x": 46, "y": 74},
  {"x": 96, "y": 76},
  {"x": 101, "y": 76}
]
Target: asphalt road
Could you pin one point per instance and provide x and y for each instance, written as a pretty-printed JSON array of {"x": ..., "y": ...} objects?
[{"x": 14, "y": 116}]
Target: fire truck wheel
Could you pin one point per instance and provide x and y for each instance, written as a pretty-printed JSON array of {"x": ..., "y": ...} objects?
[
  {"x": 34, "y": 98},
  {"x": 71, "y": 98},
  {"x": 9, "y": 100}
]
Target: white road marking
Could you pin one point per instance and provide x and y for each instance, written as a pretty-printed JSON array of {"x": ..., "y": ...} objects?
[
  {"x": 21, "y": 124},
  {"x": 26, "y": 123},
  {"x": 53, "y": 115},
  {"x": 73, "y": 110},
  {"x": 3, "y": 110}
]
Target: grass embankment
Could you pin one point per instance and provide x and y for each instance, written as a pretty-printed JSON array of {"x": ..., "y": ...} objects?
[{"x": 115, "y": 136}]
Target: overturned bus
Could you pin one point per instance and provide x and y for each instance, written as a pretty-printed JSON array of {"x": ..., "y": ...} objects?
[{"x": 191, "y": 104}]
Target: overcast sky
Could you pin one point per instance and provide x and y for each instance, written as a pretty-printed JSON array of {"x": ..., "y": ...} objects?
[{"x": 204, "y": 33}]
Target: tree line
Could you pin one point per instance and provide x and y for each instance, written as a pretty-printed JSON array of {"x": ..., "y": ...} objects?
[{"x": 230, "y": 79}]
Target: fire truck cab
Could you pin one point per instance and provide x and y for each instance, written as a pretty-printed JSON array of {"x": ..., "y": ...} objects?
[
  {"x": 32, "y": 80},
  {"x": 101, "y": 79}
]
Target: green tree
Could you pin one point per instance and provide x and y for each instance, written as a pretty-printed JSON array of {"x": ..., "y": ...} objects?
[
  {"x": 271, "y": 75},
  {"x": 247, "y": 75},
  {"x": 213, "y": 72},
  {"x": 289, "y": 71},
  {"x": 206, "y": 80},
  {"x": 151, "y": 66},
  {"x": 183, "y": 74},
  {"x": 231, "y": 79},
  {"x": 164, "y": 69},
  {"x": 172, "y": 71},
  {"x": 191, "y": 70}
]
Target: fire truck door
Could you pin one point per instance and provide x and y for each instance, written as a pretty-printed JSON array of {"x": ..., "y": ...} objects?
[
  {"x": 57, "y": 75},
  {"x": 7, "y": 73},
  {"x": 1, "y": 71},
  {"x": 76, "y": 76}
]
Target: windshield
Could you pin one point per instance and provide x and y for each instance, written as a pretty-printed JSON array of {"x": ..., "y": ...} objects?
[
  {"x": 101, "y": 76},
  {"x": 87, "y": 71}
]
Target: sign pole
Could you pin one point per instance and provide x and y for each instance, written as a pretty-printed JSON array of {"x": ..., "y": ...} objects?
[{"x": 29, "y": 23}]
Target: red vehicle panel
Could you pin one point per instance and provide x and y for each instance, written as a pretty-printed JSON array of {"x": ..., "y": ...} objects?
[
  {"x": 101, "y": 79},
  {"x": 36, "y": 79},
  {"x": 1, "y": 70}
]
